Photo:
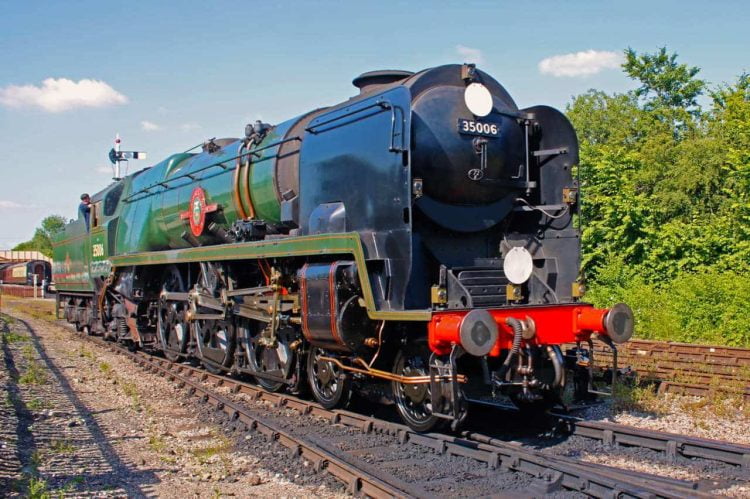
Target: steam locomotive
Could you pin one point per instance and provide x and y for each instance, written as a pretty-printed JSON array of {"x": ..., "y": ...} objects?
[{"x": 417, "y": 240}]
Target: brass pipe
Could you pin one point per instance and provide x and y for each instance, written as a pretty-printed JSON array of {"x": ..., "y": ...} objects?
[
  {"x": 377, "y": 373},
  {"x": 380, "y": 344}
]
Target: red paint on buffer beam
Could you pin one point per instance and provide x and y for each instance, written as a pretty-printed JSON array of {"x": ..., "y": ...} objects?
[{"x": 543, "y": 325}]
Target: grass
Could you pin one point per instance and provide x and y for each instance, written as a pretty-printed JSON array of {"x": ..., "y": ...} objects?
[
  {"x": 204, "y": 454},
  {"x": 38, "y": 309},
  {"x": 34, "y": 375},
  {"x": 28, "y": 352},
  {"x": 105, "y": 368},
  {"x": 36, "y": 459},
  {"x": 10, "y": 338}
]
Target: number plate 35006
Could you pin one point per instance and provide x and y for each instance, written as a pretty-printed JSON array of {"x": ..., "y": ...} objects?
[{"x": 471, "y": 127}]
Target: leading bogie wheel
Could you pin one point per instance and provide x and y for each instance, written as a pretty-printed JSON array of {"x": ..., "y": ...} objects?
[{"x": 331, "y": 386}]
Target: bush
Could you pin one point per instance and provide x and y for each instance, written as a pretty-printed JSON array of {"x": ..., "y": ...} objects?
[{"x": 709, "y": 307}]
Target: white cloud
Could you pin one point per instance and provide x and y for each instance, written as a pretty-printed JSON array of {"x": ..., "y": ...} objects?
[
  {"x": 9, "y": 205},
  {"x": 582, "y": 63},
  {"x": 469, "y": 54},
  {"x": 56, "y": 95},
  {"x": 149, "y": 126},
  {"x": 189, "y": 127}
]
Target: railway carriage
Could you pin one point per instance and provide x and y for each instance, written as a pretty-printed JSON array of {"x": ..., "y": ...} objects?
[
  {"x": 417, "y": 240},
  {"x": 22, "y": 273}
]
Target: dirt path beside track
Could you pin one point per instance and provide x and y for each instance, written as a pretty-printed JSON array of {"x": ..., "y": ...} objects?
[{"x": 79, "y": 420}]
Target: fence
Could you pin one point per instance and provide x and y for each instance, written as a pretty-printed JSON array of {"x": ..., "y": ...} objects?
[{"x": 20, "y": 291}]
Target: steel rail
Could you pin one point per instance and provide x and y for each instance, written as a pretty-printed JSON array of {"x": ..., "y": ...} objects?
[
  {"x": 553, "y": 472},
  {"x": 369, "y": 482},
  {"x": 672, "y": 444}
]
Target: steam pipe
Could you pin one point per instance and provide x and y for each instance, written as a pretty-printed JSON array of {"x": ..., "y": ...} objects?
[{"x": 517, "y": 327}]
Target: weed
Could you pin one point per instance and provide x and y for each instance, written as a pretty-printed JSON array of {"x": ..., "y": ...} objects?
[
  {"x": 38, "y": 488},
  {"x": 131, "y": 390},
  {"x": 34, "y": 375},
  {"x": 156, "y": 443},
  {"x": 7, "y": 319},
  {"x": 637, "y": 398},
  {"x": 85, "y": 353},
  {"x": 36, "y": 404},
  {"x": 105, "y": 368},
  {"x": 62, "y": 447},
  {"x": 36, "y": 459},
  {"x": 28, "y": 352}
]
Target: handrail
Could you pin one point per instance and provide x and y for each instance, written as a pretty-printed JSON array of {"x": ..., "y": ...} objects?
[
  {"x": 383, "y": 105},
  {"x": 380, "y": 103},
  {"x": 191, "y": 175}
]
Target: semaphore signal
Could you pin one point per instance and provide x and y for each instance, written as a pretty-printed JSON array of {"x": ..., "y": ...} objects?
[{"x": 116, "y": 156}]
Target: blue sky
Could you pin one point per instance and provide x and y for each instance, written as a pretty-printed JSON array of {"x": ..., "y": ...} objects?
[{"x": 170, "y": 74}]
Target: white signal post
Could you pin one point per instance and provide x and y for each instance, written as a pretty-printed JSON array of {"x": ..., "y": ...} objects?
[{"x": 116, "y": 156}]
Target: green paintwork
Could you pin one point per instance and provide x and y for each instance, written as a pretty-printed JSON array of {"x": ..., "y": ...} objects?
[
  {"x": 147, "y": 217},
  {"x": 150, "y": 218},
  {"x": 70, "y": 268}
]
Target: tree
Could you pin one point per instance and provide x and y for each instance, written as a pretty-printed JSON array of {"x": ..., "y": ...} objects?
[
  {"x": 666, "y": 201},
  {"x": 664, "y": 83},
  {"x": 42, "y": 240}
]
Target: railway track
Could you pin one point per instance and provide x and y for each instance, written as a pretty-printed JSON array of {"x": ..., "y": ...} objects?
[
  {"x": 672, "y": 445},
  {"x": 683, "y": 368},
  {"x": 547, "y": 473},
  {"x": 551, "y": 473}
]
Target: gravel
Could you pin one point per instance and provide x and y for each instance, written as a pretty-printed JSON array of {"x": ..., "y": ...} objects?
[
  {"x": 134, "y": 433},
  {"x": 98, "y": 426}
]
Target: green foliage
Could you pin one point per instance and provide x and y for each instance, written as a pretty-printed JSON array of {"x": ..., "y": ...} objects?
[
  {"x": 42, "y": 240},
  {"x": 663, "y": 81},
  {"x": 708, "y": 307},
  {"x": 38, "y": 489},
  {"x": 666, "y": 200}
]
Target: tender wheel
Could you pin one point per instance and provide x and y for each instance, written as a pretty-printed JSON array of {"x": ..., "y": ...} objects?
[
  {"x": 330, "y": 385},
  {"x": 277, "y": 361},
  {"x": 414, "y": 401},
  {"x": 172, "y": 327}
]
